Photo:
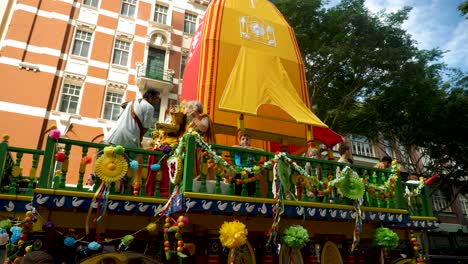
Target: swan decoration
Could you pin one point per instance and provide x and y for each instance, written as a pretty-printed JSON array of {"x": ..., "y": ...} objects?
[
  {"x": 142, "y": 208},
  {"x": 190, "y": 204},
  {"x": 42, "y": 200},
  {"x": 311, "y": 211},
  {"x": 222, "y": 206},
  {"x": 29, "y": 207},
  {"x": 128, "y": 206},
  {"x": 59, "y": 202},
  {"x": 343, "y": 214},
  {"x": 299, "y": 210},
  {"x": 10, "y": 207},
  {"x": 206, "y": 205},
  {"x": 263, "y": 209},
  {"x": 156, "y": 208},
  {"x": 236, "y": 206},
  {"x": 249, "y": 208},
  {"x": 113, "y": 205},
  {"x": 76, "y": 202},
  {"x": 110, "y": 166}
]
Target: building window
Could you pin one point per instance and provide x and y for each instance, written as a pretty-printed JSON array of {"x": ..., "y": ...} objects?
[
  {"x": 128, "y": 8},
  {"x": 121, "y": 51},
  {"x": 440, "y": 203},
  {"x": 81, "y": 43},
  {"x": 70, "y": 98},
  {"x": 183, "y": 59},
  {"x": 93, "y": 3},
  {"x": 361, "y": 146},
  {"x": 160, "y": 14},
  {"x": 190, "y": 23},
  {"x": 112, "y": 105},
  {"x": 463, "y": 204}
]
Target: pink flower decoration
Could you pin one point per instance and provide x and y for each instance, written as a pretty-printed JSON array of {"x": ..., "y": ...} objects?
[{"x": 54, "y": 134}]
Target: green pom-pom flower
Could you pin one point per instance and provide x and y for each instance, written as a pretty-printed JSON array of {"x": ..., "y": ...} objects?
[
  {"x": 119, "y": 150},
  {"x": 5, "y": 224},
  {"x": 295, "y": 237},
  {"x": 385, "y": 238},
  {"x": 126, "y": 240}
]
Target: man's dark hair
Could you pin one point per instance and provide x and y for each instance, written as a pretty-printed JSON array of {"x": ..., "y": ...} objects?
[
  {"x": 343, "y": 148},
  {"x": 387, "y": 159},
  {"x": 151, "y": 93}
]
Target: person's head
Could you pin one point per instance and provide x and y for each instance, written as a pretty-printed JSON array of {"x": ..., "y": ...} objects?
[
  {"x": 312, "y": 153},
  {"x": 151, "y": 96},
  {"x": 387, "y": 161},
  {"x": 244, "y": 139},
  {"x": 193, "y": 108},
  {"x": 91, "y": 179},
  {"x": 344, "y": 150},
  {"x": 37, "y": 257}
]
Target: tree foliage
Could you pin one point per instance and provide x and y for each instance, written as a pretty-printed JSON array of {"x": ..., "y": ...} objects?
[
  {"x": 463, "y": 7},
  {"x": 366, "y": 76}
]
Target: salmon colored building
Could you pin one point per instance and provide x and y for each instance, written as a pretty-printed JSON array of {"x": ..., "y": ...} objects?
[{"x": 72, "y": 63}]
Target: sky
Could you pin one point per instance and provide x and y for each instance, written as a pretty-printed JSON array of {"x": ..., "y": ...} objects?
[{"x": 432, "y": 23}]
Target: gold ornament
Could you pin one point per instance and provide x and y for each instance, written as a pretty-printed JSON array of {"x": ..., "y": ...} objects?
[{"x": 111, "y": 168}]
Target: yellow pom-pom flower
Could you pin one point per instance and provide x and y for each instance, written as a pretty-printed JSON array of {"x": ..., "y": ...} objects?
[
  {"x": 233, "y": 234},
  {"x": 108, "y": 151},
  {"x": 151, "y": 227},
  {"x": 6, "y": 137},
  {"x": 16, "y": 171}
]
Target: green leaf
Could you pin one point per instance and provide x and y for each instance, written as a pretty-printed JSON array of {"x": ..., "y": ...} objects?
[
  {"x": 168, "y": 255},
  {"x": 181, "y": 255},
  {"x": 173, "y": 229}
]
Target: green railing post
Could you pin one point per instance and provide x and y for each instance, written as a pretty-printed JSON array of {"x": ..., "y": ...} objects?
[
  {"x": 47, "y": 171},
  {"x": 427, "y": 202},
  {"x": 32, "y": 174},
  {"x": 81, "y": 172},
  {"x": 3, "y": 155},
  {"x": 189, "y": 162},
  {"x": 65, "y": 165}
]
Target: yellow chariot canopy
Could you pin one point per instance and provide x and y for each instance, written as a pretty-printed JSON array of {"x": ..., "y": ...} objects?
[
  {"x": 244, "y": 59},
  {"x": 272, "y": 86}
]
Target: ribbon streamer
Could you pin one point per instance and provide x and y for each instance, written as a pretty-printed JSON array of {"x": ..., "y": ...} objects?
[{"x": 358, "y": 225}]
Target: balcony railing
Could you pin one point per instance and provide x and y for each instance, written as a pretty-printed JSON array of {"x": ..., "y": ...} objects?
[
  {"x": 143, "y": 71},
  {"x": 217, "y": 187}
]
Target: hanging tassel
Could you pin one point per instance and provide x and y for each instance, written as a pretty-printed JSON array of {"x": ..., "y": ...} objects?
[
  {"x": 95, "y": 197},
  {"x": 357, "y": 226}
]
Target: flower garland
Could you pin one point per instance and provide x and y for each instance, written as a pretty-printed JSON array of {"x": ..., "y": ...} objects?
[
  {"x": 387, "y": 190},
  {"x": 178, "y": 229}
]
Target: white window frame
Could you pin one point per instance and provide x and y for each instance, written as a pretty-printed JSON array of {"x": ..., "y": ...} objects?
[
  {"x": 90, "y": 41},
  {"x": 183, "y": 54},
  {"x": 115, "y": 48},
  {"x": 439, "y": 201},
  {"x": 93, "y": 3},
  {"x": 62, "y": 93},
  {"x": 129, "y": 4},
  {"x": 187, "y": 15},
  {"x": 114, "y": 104},
  {"x": 157, "y": 14},
  {"x": 361, "y": 146}
]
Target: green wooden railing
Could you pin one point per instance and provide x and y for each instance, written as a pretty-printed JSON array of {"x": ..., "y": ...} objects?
[
  {"x": 13, "y": 179},
  {"x": 52, "y": 176}
]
